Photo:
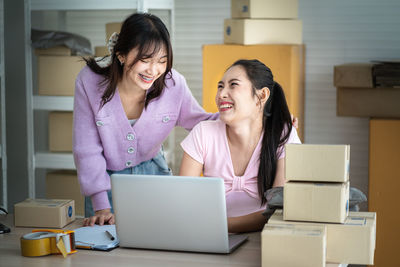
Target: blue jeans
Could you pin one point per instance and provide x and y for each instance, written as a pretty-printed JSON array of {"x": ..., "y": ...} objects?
[{"x": 154, "y": 166}]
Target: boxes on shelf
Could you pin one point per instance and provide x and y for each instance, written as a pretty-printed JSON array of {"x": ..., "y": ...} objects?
[
  {"x": 285, "y": 61},
  {"x": 293, "y": 245},
  {"x": 317, "y": 163},
  {"x": 111, "y": 28},
  {"x": 257, "y": 9},
  {"x": 368, "y": 102},
  {"x": 60, "y": 131},
  {"x": 55, "y": 213},
  {"x": 353, "y": 75},
  {"x": 101, "y": 51},
  {"x": 57, "y": 74},
  {"x": 262, "y": 31},
  {"x": 352, "y": 242},
  {"x": 54, "y": 51},
  {"x": 65, "y": 185},
  {"x": 316, "y": 202}
]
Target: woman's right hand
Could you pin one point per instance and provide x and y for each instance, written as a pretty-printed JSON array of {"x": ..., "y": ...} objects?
[{"x": 100, "y": 217}]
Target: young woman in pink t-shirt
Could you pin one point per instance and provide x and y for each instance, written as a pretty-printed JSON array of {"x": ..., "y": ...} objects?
[{"x": 246, "y": 146}]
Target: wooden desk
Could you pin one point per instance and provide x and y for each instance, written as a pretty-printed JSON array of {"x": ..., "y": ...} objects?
[{"x": 247, "y": 254}]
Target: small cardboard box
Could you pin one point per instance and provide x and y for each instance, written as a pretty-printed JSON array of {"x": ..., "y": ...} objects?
[
  {"x": 60, "y": 50},
  {"x": 317, "y": 163},
  {"x": 368, "y": 102},
  {"x": 65, "y": 185},
  {"x": 293, "y": 245},
  {"x": 60, "y": 131},
  {"x": 111, "y": 28},
  {"x": 57, "y": 74},
  {"x": 54, "y": 213},
  {"x": 353, "y": 75},
  {"x": 352, "y": 242},
  {"x": 264, "y": 9},
  {"x": 316, "y": 202},
  {"x": 262, "y": 31},
  {"x": 101, "y": 51}
]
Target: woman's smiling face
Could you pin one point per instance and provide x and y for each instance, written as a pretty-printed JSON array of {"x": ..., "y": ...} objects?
[
  {"x": 146, "y": 70},
  {"x": 235, "y": 99}
]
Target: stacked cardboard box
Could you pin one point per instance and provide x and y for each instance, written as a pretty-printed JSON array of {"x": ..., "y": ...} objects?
[
  {"x": 263, "y": 22},
  {"x": 359, "y": 94},
  {"x": 64, "y": 184},
  {"x": 57, "y": 71},
  {"x": 317, "y": 195}
]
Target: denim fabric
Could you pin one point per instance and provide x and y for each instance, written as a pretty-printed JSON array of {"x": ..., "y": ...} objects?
[{"x": 155, "y": 166}]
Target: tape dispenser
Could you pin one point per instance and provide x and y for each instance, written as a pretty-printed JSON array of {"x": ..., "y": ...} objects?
[{"x": 43, "y": 242}]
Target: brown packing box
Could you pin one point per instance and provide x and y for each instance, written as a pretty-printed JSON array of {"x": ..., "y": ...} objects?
[
  {"x": 262, "y": 31},
  {"x": 54, "y": 213},
  {"x": 57, "y": 74},
  {"x": 352, "y": 242},
  {"x": 111, "y": 28},
  {"x": 101, "y": 51},
  {"x": 317, "y": 163},
  {"x": 54, "y": 51},
  {"x": 60, "y": 131},
  {"x": 316, "y": 202},
  {"x": 262, "y": 9},
  {"x": 289, "y": 245},
  {"x": 285, "y": 61},
  {"x": 368, "y": 102},
  {"x": 65, "y": 185},
  {"x": 353, "y": 75},
  {"x": 384, "y": 184}
]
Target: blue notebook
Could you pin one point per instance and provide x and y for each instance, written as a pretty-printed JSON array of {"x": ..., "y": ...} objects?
[{"x": 96, "y": 237}]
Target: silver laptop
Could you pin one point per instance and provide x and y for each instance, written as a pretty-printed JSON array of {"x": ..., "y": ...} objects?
[{"x": 172, "y": 213}]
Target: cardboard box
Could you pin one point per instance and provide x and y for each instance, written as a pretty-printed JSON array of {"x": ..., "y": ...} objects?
[
  {"x": 101, "y": 51},
  {"x": 262, "y": 31},
  {"x": 352, "y": 242},
  {"x": 264, "y": 9},
  {"x": 368, "y": 102},
  {"x": 317, "y": 163},
  {"x": 65, "y": 185},
  {"x": 54, "y": 213},
  {"x": 111, "y": 28},
  {"x": 54, "y": 51},
  {"x": 60, "y": 131},
  {"x": 285, "y": 61},
  {"x": 384, "y": 184},
  {"x": 293, "y": 245},
  {"x": 57, "y": 74},
  {"x": 353, "y": 75},
  {"x": 316, "y": 202}
]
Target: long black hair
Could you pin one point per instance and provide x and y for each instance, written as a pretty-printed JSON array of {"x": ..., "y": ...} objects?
[
  {"x": 277, "y": 122},
  {"x": 149, "y": 35}
]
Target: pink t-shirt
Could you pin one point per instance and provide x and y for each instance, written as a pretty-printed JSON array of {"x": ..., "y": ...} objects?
[{"x": 207, "y": 143}]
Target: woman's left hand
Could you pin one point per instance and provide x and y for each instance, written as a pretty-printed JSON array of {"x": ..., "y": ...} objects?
[{"x": 295, "y": 121}]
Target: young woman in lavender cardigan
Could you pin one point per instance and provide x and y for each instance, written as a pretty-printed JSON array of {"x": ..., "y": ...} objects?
[{"x": 124, "y": 108}]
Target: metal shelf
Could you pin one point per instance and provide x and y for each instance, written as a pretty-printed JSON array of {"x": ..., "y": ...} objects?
[
  {"x": 48, "y": 160},
  {"x": 141, "y": 5},
  {"x": 54, "y": 103}
]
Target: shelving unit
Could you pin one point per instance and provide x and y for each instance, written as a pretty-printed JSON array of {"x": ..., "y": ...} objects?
[
  {"x": 44, "y": 159},
  {"x": 3, "y": 149}
]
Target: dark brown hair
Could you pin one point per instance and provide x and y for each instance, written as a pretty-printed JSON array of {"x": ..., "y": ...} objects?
[
  {"x": 277, "y": 122},
  {"x": 148, "y": 34}
]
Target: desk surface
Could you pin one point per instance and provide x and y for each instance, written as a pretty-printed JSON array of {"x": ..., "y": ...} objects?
[{"x": 247, "y": 254}]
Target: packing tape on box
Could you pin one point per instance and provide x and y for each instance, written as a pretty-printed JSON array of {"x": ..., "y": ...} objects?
[{"x": 48, "y": 241}]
